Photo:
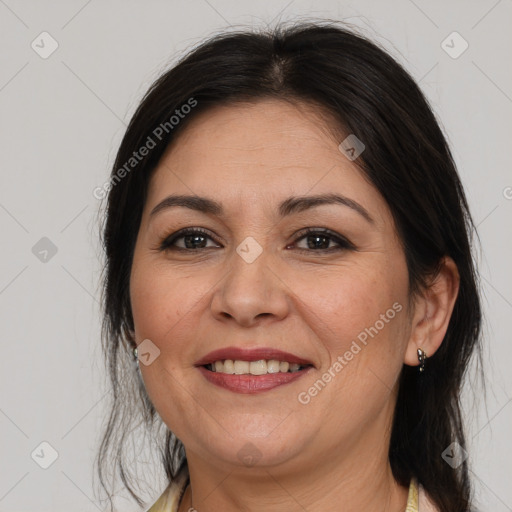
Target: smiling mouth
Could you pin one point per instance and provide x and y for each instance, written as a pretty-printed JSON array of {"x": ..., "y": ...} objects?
[
  {"x": 260, "y": 367},
  {"x": 252, "y": 370}
]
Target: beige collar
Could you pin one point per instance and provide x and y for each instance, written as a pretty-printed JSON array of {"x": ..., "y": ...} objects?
[{"x": 169, "y": 501}]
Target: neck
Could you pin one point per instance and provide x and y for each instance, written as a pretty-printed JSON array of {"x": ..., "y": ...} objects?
[
  {"x": 360, "y": 479},
  {"x": 349, "y": 475}
]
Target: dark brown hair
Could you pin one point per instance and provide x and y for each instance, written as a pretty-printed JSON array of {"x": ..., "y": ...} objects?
[{"x": 406, "y": 158}]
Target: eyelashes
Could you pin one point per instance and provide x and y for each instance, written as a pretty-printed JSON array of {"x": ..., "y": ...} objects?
[
  {"x": 320, "y": 237},
  {"x": 325, "y": 234},
  {"x": 169, "y": 242}
]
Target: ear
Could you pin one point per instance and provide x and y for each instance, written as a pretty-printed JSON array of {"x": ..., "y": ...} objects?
[{"x": 432, "y": 312}]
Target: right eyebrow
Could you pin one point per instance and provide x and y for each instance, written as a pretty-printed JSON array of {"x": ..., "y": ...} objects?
[{"x": 287, "y": 207}]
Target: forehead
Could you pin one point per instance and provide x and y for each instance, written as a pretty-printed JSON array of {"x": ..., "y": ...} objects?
[
  {"x": 258, "y": 151},
  {"x": 268, "y": 132}
]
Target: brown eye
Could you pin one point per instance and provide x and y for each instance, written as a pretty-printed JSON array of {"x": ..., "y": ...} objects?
[
  {"x": 193, "y": 239},
  {"x": 321, "y": 240}
]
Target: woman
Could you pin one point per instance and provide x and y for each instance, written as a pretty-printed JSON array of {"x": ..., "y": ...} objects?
[{"x": 288, "y": 262}]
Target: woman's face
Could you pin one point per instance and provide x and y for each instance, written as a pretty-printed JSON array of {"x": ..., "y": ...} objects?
[{"x": 335, "y": 298}]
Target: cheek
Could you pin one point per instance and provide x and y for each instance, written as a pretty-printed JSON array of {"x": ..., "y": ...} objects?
[
  {"x": 359, "y": 316},
  {"x": 351, "y": 304},
  {"x": 161, "y": 301},
  {"x": 162, "y": 306}
]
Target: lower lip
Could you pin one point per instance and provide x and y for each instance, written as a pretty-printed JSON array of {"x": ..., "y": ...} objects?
[{"x": 251, "y": 383}]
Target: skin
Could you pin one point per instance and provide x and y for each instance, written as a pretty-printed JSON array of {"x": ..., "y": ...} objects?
[{"x": 334, "y": 449}]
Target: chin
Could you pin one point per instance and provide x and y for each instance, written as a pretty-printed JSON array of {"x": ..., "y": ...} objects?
[
  {"x": 254, "y": 455},
  {"x": 255, "y": 449}
]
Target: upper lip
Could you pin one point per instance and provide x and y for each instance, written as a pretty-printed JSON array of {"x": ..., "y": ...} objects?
[{"x": 250, "y": 354}]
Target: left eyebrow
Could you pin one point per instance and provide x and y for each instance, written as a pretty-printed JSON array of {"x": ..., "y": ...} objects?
[
  {"x": 299, "y": 204},
  {"x": 287, "y": 207}
]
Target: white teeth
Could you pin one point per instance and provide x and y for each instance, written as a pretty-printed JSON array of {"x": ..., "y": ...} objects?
[
  {"x": 229, "y": 366},
  {"x": 273, "y": 366},
  {"x": 241, "y": 367},
  {"x": 260, "y": 367}
]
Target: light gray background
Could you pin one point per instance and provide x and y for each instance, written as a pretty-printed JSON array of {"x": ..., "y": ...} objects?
[{"x": 62, "y": 119}]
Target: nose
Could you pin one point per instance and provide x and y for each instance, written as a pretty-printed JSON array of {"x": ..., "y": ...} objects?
[{"x": 250, "y": 292}]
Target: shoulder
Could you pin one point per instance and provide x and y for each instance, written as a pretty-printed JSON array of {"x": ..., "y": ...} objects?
[
  {"x": 424, "y": 502},
  {"x": 171, "y": 497}
]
